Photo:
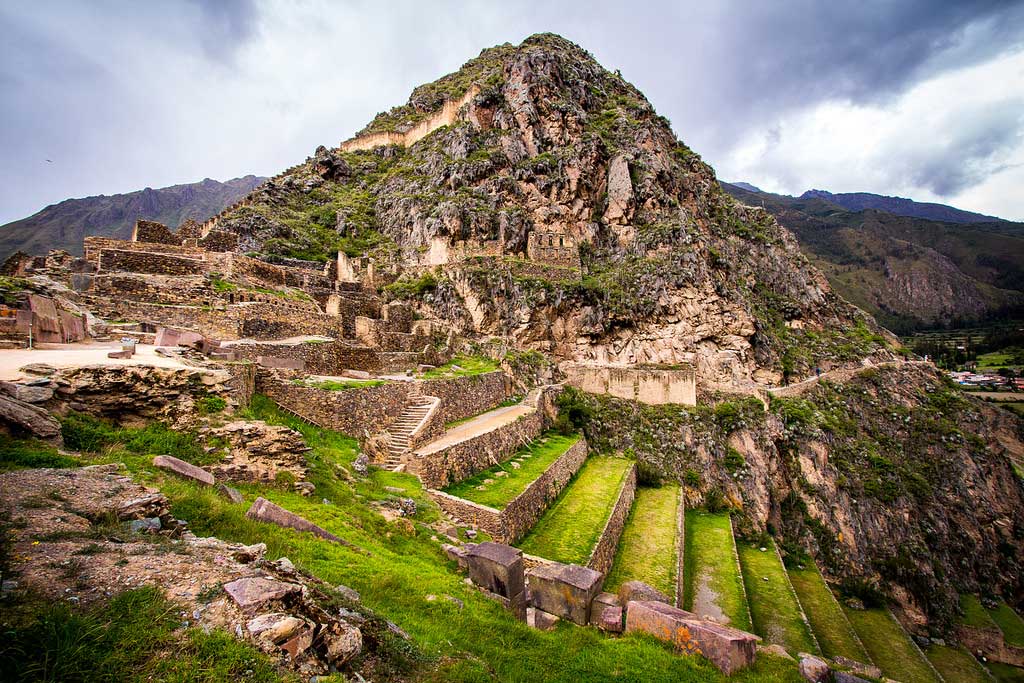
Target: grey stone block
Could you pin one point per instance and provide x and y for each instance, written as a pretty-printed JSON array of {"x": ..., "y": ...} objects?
[{"x": 565, "y": 590}]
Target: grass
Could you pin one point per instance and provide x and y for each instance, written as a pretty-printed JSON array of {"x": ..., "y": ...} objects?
[
  {"x": 774, "y": 609},
  {"x": 1004, "y": 673},
  {"x": 507, "y": 403},
  {"x": 1009, "y": 623},
  {"x": 539, "y": 455},
  {"x": 137, "y": 636},
  {"x": 570, "y": 528},
  {"x": 835, "y": 635},
  {"x": 974, "y": 614},
  {"x": 462, "y": 366},
  {"x": 889, "y": 646},
  {"x": 399, "y": 567},
  {"x": 710, "y": 555},
  {"x": 339, "y": 385},
  {"x": 956, "y": 664},
  {"x": 647, "y": 550}
]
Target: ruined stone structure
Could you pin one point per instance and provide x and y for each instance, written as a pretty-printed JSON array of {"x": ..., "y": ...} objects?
[
  {"x": 651, "y": 385},
  {"x": 445, "y": 116},
  {"x": 554, "y": 246}
]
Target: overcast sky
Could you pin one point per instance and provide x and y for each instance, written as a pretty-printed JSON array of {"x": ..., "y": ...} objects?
[{"x": 917, "y": 99}]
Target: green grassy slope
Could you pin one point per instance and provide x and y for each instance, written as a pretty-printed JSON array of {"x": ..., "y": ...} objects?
[
  {"x": 394, "y": 570},
  {"x": 570, "y": 528},
  {"x": 538, "y": 454},
  {"x": 774, "y": 609},
  {"x": 647, "y": 550},
  {"x": 889, "y": 646},
  {"x": 834, "y": 633},
  {"x": 711, "y": 567}
]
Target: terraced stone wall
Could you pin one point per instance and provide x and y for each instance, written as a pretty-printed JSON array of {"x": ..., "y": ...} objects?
[
  {"x": 151, "y": 263},
  {"x": 518, "y": 517},
  {"x": 357, "y": 412},
  {"x": 321, "y": 358},
  {"x": 93, "y": 245},
  {"x": 464, "y": 459},
  {"x": 603, "y": 555},
  {"x": 463, "y": 397}
]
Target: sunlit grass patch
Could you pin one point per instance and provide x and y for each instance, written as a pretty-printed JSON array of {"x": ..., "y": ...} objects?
[
  {"x": 774, "y": 609},
  {"x": 647, "y": 550},
  {"x": 835, "y": 635}
]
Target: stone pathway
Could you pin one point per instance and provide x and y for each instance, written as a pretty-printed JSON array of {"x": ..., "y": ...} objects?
[
  {"x": 76, "y": 355},
  {"x": 481, "y": 424}
]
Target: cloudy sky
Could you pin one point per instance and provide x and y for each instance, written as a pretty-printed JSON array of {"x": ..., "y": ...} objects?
[{"x": 917, "y": 99}]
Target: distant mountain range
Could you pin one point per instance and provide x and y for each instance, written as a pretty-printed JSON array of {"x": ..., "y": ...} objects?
[
  {"x": 899, "y": 261},
  {"x": 64, "y": 225}
]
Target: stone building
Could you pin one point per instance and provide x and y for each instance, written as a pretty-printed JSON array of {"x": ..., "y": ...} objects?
[{"x": 553, "y": 245}]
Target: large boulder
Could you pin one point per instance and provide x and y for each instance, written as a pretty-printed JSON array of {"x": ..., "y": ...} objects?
[
  {"x": 29, "y": 393},
  {"x": 262, "y": 510},
  {"x": 183, "y": 469},
  {"x": 565, "y": 590},
  {"x": 498, "y": 569},
  {"x": 255, "y": 593},
  {"x": 22, "y": 416},
  {"x": 728, "y": 648}
]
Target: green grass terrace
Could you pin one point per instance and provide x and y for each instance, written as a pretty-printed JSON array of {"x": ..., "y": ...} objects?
[
  {"x": 462, "y": 366},
  {"x": 774, "y": 608},
  {"x": 648, "y": 550},
  {"x": 835, "y": 635},
  {"x": 570, "y": 529},
  {"x": 714, "y": 586},
  {"x": 519, "y": 471},
  {"x": 889, "y": 646}
]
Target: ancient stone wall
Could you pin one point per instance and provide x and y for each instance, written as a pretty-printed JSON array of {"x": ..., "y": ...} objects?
[
  {"x": 992, "y": 643},
  {"x": 654, "y": 386},
  {"x": 151, "y": 263},
  {"x": 357, "y": 412},
  {"x": 154, "y": 233},
  {"x": 603, "y": 555},
  {"x": 93, "y": 245},
  {"x": 443, "y": 117},
  {"x": 320, "y": 358},
  {"x": 463, "y": 397},
  {"x": 554, "y": 246},
  {"x": 524, "y": 510},
  {"x": 512, "y": 522},
  {"x": 459, "y": 461},
  {"x": 242, "y": 382},
  {"x": 219, "y": 240},
  {"x": 187, "y": 290}
]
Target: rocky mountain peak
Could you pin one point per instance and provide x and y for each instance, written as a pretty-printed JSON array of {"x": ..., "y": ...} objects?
[{"x": 556, "y": 208}]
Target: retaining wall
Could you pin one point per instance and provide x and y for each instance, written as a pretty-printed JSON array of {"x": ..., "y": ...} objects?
[
  {"x": 148, "y": 262},
  {"x": 463, "y": 397},
  {"x": 512, "y": 522},
  {"x": 464, "y": 459},
  {"x": 358, "y": 412},
  {"x": 647, "y": 385},
  {"x": 320, "y": 358},
  {"x": 603, "y": 555}
]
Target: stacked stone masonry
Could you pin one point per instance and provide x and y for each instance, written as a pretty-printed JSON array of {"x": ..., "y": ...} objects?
[
  {"x": 512, "y": 522},
  {"x": 603, "y": 555}
]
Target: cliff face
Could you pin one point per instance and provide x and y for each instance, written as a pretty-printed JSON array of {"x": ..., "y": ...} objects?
[
  {"x": 64, "y": 225},
  {"x": 893, "y": 480},
  {"x": 561, "y": 213}
]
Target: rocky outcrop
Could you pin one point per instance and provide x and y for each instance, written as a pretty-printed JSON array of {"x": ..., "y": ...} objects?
[
  {"x": 254, "y": 451},
  {"x": 136, "y": 394},
  {"x": 19, "y": 417},
  {"x": 218, "y": 585}
]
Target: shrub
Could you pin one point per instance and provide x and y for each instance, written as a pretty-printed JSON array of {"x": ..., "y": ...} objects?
[
  {"x": 691, "y": 478},
  {"x": 733, "y": 460},
  {"x": 411, "y": 289},
  {"x": 714, "y": 500},
  {"x": 211, "y": 404},
  {"x": 574, "y": 412}
]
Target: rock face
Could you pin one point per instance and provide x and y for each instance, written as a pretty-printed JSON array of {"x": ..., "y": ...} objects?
[
  {"x": 258, "y": 452},
  {"x": 136, "y": 394},
  {"x": 19, "y": 416},
  {"x": 553, "y": 169}
]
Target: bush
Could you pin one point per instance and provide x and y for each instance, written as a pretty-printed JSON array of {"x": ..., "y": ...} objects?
[
  {"x": 691, "y": 478},
  {"x": 211, "y": 404},
  {"x": 714, "y": 500},
  {"x": 648, "y": 475},
  {"x": 733, "y": 460},
  {"x": 864, "y": 590},
  {"x": 574, "y": 412},
  {"x": 411, "y": 289}
]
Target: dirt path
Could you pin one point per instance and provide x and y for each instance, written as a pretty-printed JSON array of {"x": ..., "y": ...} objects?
[
  {"x": 75, "y": 355},
  {"x": 481, "y": 424}
]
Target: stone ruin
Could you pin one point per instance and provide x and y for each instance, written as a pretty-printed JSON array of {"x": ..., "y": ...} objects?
[{"x": 544, "y": 594}]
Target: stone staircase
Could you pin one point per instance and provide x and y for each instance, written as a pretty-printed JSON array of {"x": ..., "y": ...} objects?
[{"x": 400, "y": 433}]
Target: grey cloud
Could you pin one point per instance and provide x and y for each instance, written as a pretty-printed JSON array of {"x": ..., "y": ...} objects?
[
  {"x": 971, "y": 153},
  {"x": 225, "y": 24}
]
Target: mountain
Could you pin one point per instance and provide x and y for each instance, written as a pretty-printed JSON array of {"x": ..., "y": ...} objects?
[
  {"x": 63, "y": 225},
  {"x": 535, "y": 206},
  {"x": 910, "y": 273},
  {"x": 532, "y": 166},
  {"x": 747, "y": 186},
  {"x": 859, "y": 201}
]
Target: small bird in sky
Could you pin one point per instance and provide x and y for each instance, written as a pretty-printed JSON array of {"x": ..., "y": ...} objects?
[{"x": 49, "y": 161}]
